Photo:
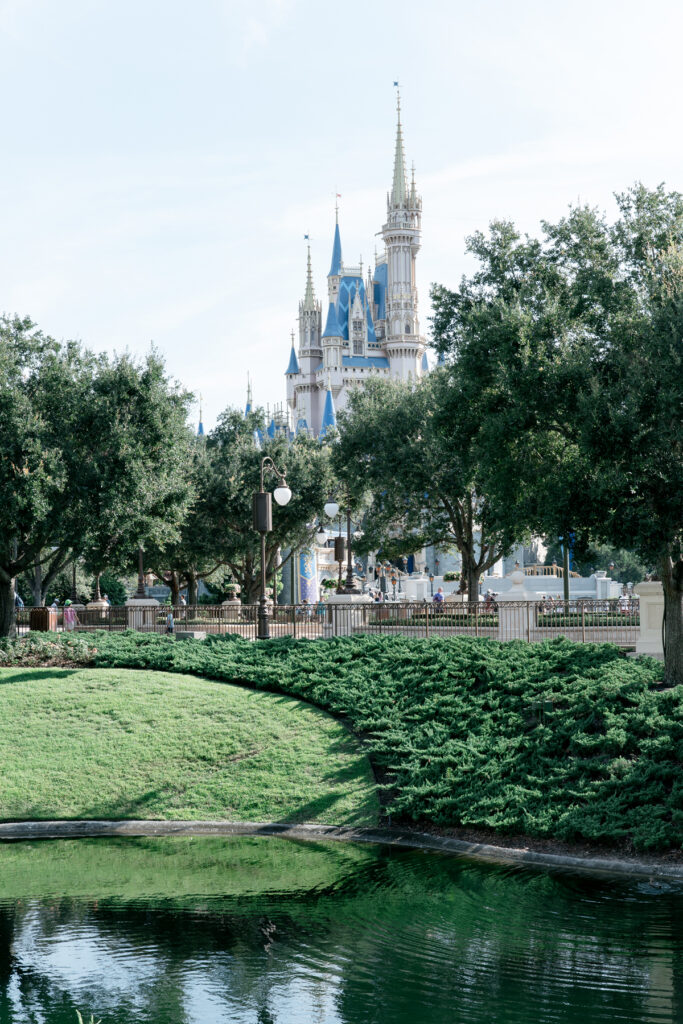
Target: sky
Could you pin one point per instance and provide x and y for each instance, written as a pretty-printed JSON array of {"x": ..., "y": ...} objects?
[{"x": 161, "y": 161}]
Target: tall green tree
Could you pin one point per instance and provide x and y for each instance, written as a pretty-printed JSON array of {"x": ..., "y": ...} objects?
[
  {"x": 196, "y": 553},
  {"x": 92, "y": 456},
  {"x": 574, "y": 346},
  {"x": 408, "y": 448},
  {"x": 223, "y": 510}
]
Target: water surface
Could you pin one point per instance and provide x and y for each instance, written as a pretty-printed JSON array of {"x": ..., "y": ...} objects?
[{"x": 258, "y": 931}]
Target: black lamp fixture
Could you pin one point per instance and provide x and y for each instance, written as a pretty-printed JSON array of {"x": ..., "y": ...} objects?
[{"x": 263, "y": 523}]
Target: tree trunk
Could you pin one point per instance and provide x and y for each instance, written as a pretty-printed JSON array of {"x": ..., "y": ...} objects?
[
  {"x": 192, "y": 588},
  {"x": 37, "y": 585},
  {"x": 672, "y": 585},
  {"x": 7, "y": 615},
  {"x": 174, "y": 584},
  {"x": 472, "y": 584}
]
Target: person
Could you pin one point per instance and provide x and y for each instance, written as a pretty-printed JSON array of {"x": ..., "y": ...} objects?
[
  {"x": 106, "y": 598},
  {"x": 183, "y": 602},
  {"x": 170, "y": 624},
  {"x": 55, "y": 603},
  {"x": 70, "y": 617},
  {"x": 439, "y": 599}
]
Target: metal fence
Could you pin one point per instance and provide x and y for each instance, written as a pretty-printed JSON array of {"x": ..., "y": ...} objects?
[{"x": 584, "y": 621}]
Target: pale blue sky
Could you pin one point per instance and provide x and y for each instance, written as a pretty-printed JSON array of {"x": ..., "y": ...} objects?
[{"x": 161, "y": 161}]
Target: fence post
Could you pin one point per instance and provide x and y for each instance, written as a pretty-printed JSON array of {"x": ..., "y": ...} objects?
[
  {"x": 476, "y": 619},
  {"x": 294, "y": 620},
  {"x": 528, "y": 621},
  {"x": 427, "y": 621},
  {"x": 583, "y": 622}
]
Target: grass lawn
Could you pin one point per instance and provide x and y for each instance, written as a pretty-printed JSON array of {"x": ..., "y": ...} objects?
[{"x": 117, "y": 743}]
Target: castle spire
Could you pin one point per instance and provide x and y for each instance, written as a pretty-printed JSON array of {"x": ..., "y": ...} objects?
[
  {"x": 336, "y": 265},
  {"x": 329, "y": 420},
  {"x": 247, "y": 409},
  {"x": 400, "y": 187},
  {"x": 309, "y": 295},
  {"x": 200, "y": 428},
  {"x": 293, "y": 366}
]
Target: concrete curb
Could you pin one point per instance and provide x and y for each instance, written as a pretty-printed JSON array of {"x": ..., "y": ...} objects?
[{"x": 314, "y": 832}]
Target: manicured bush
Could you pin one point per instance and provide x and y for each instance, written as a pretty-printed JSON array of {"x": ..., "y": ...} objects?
[{"x": 573, "y": 741}]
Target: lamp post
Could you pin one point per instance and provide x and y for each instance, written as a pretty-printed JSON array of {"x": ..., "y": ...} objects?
[
  {"x": 263, "y": 523},
  {"x": 348, "y": 586},
  {"x": 431, "y": 582},
  {"x": 140, "y": 592},
  {"x": 393, "y": 583}
]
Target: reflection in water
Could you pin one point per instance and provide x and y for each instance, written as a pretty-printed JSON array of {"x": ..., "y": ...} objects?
[{"x": 269, "y": 931}]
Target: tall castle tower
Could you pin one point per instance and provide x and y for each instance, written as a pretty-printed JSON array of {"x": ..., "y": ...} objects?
[
  {"x": 372, "y": 326},
  {"x": 401, "y": 234}
]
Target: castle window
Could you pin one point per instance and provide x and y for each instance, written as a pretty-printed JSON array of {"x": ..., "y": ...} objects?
[
  {"x": 358, "y": 346},
  {"x": 407, "y": 328}
]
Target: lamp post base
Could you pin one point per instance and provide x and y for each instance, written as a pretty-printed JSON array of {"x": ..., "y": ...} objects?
[{"x": 263, "y": 625}]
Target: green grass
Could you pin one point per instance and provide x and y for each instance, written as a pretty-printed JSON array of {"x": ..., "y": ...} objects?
[
  {"x": 138, "y": 744},
  {"x": 571, "y": 741}
]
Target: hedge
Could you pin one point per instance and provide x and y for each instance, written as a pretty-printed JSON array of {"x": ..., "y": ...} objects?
[{"x": 571, "y": 741}]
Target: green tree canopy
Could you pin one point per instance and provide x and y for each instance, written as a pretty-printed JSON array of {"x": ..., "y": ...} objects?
[
  {"x": 408, "y": 448},
  {"x": 92, "y": 456},
  {"x": 573, "y": 346},
  {"x": 227, "y": 480}
]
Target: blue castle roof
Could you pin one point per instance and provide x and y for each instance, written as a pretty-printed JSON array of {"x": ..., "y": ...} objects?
[
  {"x": 332, "y": 328},
  {"x": 381, "y": 362},
  {"x": 335, "y": 266},
  {"x": 293, "y": 362},
  {"x": 379, "y": 288},
  {"x": 329, "y": 420},
  {"x": 348, "y": 286},
  {"x": 200, "y": 429},
  {"x": 425, "y": 363}
]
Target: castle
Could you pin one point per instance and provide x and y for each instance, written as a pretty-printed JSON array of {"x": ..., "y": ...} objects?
[{"x": 371, "y": 326}]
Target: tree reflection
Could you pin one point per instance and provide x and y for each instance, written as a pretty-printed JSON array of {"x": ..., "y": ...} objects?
[{"x": 399, "y": 937}]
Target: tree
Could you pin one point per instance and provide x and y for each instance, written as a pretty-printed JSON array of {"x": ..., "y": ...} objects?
[
  {"x": 192, "y": 556},
  {"x": 92, "y": 456},
  {"x": 627, "y": 567},
  {"x": 408, "y": 446},
  {"x": 575, "y": 344},
  {"x": 223, "y": 511}
]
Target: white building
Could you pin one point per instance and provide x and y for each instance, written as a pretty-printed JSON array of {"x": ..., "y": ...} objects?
[{"x": 371, "y": 326}]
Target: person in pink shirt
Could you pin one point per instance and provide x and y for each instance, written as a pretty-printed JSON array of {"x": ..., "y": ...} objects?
[{"x": 70, "y": 617}]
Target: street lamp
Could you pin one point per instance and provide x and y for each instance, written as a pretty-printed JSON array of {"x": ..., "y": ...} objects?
[
  {"x": 393, "y": 583},
  {"x": 263, "y": 523},
  {"x": 332, "y": 510},
  {"x": 431, "y": 582}
]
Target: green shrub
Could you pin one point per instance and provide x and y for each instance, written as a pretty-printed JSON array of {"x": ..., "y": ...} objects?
[{"x": 573, "y": 741}]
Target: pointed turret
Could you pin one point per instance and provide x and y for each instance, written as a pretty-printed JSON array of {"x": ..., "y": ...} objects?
[
  {"x": 332, "y": 328},
  {"x": 405, "y": 346},
  {"x": 247, "y": 408},
  {"x": 336, "y": 265},
  {"x": 329, "y": 420},
  {"x": 293, "y": 361},
  {"x": 200, "y": 428},
  {"x": 309, "y": 303},
  {"x": 400, "y": 188}
]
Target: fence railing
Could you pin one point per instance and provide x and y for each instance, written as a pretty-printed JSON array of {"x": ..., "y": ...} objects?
[{"x": 613, "y": 621}]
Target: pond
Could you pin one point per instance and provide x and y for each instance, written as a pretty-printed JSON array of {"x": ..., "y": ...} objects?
[{"x": 257, "y": 931}]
